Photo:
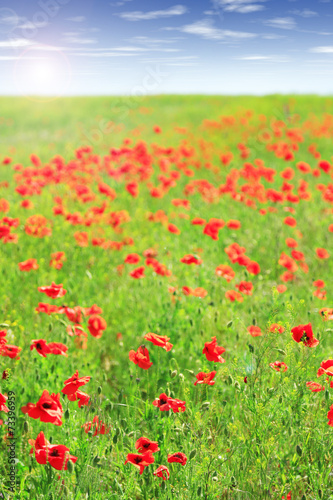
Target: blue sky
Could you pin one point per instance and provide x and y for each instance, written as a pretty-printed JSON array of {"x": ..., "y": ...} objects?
[{"x": 132, "y": 47}]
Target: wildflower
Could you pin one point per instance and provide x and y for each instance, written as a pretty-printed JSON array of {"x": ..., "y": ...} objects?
[{"x": 213, "y": 352}]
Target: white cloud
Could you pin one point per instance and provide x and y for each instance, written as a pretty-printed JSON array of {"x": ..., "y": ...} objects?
[
  {"x": 15, "y": 42},
  {"x": 286, "y": 23},
  {"x": 323, "y": 50},
  {"x": 177, "y": 10},
  {"x": 304, "y": 13},
  {"x": 270, "y": 58},
  {"x": 75, "y": 37},
  {"x": 206, "y": 29},
  {"x": 240, "y": 6},
  {"x": 77, "y": 19}
]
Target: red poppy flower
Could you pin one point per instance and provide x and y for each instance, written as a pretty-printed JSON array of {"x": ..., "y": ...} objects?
[
  {"x": 138, "y": 273},
  {"x": 281, "y": 288},
  {"x": 172, "y": 228},
  {"x": 56, "y": 455},
  {"x": 163, "y": 472},
  {"x": 74, "y": 383},
  {"x": 279, "y": 366},
  {"x": 57, "y": 260},
  {"x": 178, "y": 457},
  {"x": 212, "y": 228},
  {"x": 205, "y": 378},
  {"x": 25, "y": 409},
  {"x": 322, "y": 253},
  {"x": 291, "y": 243},
  {"x": 200, "y": 292},
  {"x": 191, "y": 259},
  {"x": 198, "y": 221},
  {"x": 213, "y": 352},
  {"x": 225, "y": 271},
  {"x": 330, "y": 416},
  {"x": 253, "y": 268},
  {"x": 140, "y": 461},
  {"x": 233, "y": 295},
  {"x": 58, "y": 348},
  {"x": 326, "y": 367},
  {"x": 290, "y": 221},
  {"x": 245, "y": 287},
  {"x": 132, "y": 258},
  {"x": 10, "y": 351},
  {"x": 164, "y": 403},
  {"x": 255, "y": 331},
  {"x": 320, "y": 294},
  {"x": 159, "y": 340},
  {"x": 46, "y": 308},
  {"x": 28, "y": 265},
  {"x": 276, "y": 328},
  {"x": 82, "y": 397},
  {"x": 304, "y": 333},
  {"x": 54, "y": 291},
  {"x": 233, "y": 224},
  {"x": 41, "y": 347},
  {"x": 315, "y": 387},
  {"x": 319, "y": 283},
  {"x": 48, "y": 409},
  {"x": 97, "y": 425},
  {"x": 144, "y": 444},
  {"x": 141, "y": 357},
  {"x": 3, "y": 406},
  {"x": 96, "y": 325}
]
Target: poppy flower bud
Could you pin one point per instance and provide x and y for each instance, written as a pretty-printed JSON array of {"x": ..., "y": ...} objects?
[{"x": 70, "y": 466}]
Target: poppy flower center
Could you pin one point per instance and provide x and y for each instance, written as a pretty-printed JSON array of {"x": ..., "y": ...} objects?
[
  {"x": 47, "y": 406},
  {"x": 54, "y": 453},
  {"x": 137, "y": 460},
  {"x": 163, "y": 401}
]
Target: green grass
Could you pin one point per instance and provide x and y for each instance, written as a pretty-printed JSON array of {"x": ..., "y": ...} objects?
[{"x": 254, "y": 440}]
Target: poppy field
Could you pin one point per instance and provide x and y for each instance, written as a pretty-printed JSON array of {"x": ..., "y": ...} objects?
[{"x": 166, "y": 281}]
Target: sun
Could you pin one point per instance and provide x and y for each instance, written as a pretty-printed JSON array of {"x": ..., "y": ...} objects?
[{"x": 43, "y": 73}]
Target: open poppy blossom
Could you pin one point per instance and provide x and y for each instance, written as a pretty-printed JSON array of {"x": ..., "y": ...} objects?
[
  {"x": 138, "y": 273},
  {"x": 315, "y": 387},
  {"x": 28, "y": 265},
  {"x": 304, "y": 334},
  {"x": 165, "y": 403},
  {"x": 178, "y": 457},
  {"x": 54, "y": 291},
  {"x": 74, "y": 383},
  {"x": 326, "y": 368},
  {"x": 96, "y": 325},
  {"x": 159, "y": 340},
  {"x": 3, "y": 406},
  {"x": 141, "y": 357},
  {"x": 96, "y": 426},
  {"x": 279, "y": 366},
  {"x": 225, "y": 272},
  {"x": 144, "y": 444},
  {"x": 140, "y": 461},
  {"x": 48, "y": 409},
  {"x": 255, "y": 331},
  {"x": 132, "y": 258},
  {"x": 163, "y": 472},
  {"x": 322, "y": 253},
  {"x": 44, "y": 349},
  {"x": 205, "y": 378},
  {"x": 57, "y": 455},
  {"x": 191, "y": 259},
  {"x": 213, "y": 352}
]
